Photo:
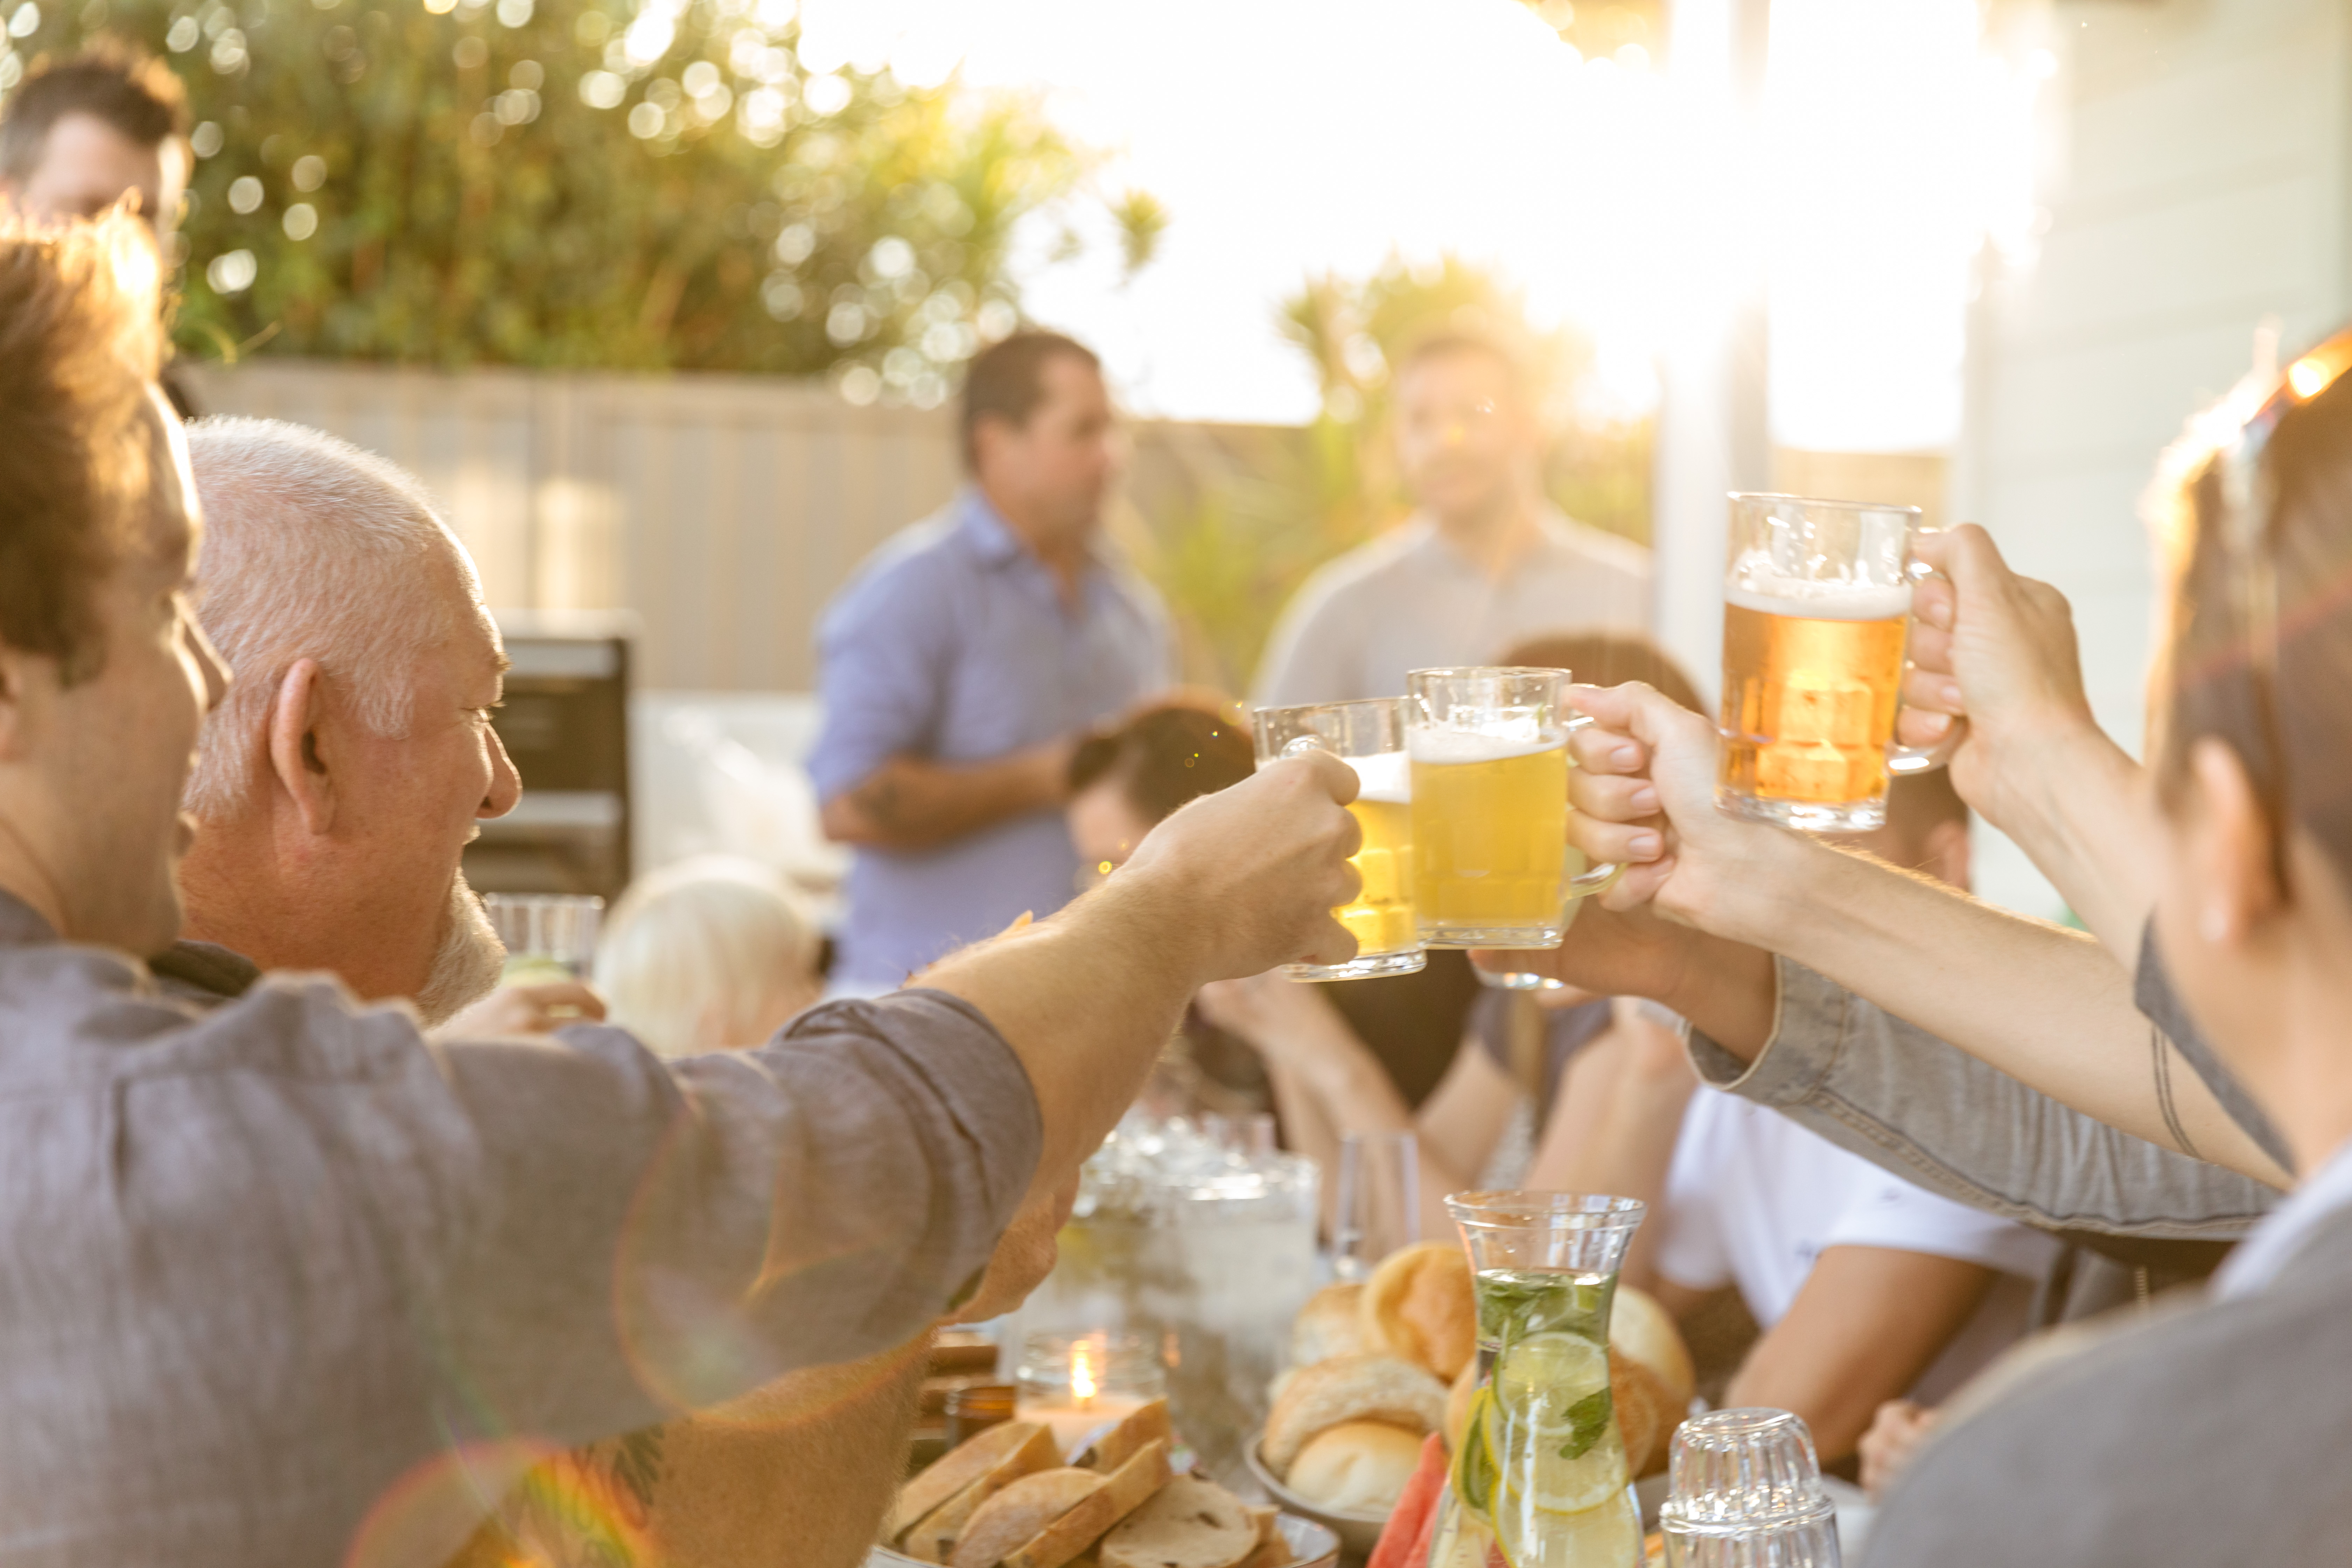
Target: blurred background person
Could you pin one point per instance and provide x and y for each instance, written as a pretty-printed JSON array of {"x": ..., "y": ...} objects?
[
  {"x": 1484, "y": 560},
  {"x": 714, "y": 953},
  {"x": 964, "y": 661},
  {"x": 81, "y": 134}
]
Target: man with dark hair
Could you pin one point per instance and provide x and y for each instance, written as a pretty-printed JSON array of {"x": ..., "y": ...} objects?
[
  {"x": 1485, "y": 562},
  {"x": 79, "y": 134},
  {"x": 964, "y": 661}
]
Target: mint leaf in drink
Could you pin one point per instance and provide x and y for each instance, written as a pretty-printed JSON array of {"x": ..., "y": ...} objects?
[{"x": 1587, "y": 1419}]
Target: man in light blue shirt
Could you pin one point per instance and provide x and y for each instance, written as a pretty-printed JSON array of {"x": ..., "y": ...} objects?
[{"x": 963, "y": 661}]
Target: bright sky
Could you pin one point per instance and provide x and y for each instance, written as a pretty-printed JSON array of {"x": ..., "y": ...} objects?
[{"x": 1291, "y": 137}]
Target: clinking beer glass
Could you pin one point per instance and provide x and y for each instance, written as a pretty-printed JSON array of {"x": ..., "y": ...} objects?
[
  {"x": 1369, "y": 738},
  {"x": 1816, "y": 621},
  {"x": 1491, "y": 864}
]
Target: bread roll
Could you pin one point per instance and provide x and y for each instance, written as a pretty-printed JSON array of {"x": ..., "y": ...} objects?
[
  {"x": 1356, "y": 1467},
  {"x": 1419, "y": 1307},
  {"x": 1349, "y": 1388},
  {"x": 1192, "y": 1523},
  {"x": 1329, "y": 1324},
  {"x": 1643, "y": 1329},
  {"x": 1020, "y": 1513},
  {"x": 1648, "y": 1414}
]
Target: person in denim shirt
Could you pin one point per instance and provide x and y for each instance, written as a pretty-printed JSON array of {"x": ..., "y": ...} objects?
[{"x": 964, "y": 661}]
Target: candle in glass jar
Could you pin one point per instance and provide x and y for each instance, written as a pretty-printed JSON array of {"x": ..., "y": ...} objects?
[{"x": 1078, "y": 1384}]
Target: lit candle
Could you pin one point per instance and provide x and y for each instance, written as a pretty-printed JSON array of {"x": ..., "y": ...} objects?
[{"x": 1076, "y": 1415}]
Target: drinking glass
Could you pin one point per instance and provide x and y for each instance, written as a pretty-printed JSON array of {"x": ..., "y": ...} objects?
[
  {"x": 1249, "y": 1133},
  {"x": 1075, "y": 1384},
  {"x": 1540, "y": 1474},
  {"x": 1816, "y": 618},
  {"x": 1369, "y": 738},
  {"x": 1744, "y": 1490},
  {"x": 545, "y": 931},
  {"x": 1378, "y": 1205},
  {"x": 1492, "y": 865}
]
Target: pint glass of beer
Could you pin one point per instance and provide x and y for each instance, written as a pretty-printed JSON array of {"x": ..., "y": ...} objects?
[
  {"x": 1369, "y": 738},
  {"x": 1492, "y": 865},
  {"x": 1816, "y": 615}
]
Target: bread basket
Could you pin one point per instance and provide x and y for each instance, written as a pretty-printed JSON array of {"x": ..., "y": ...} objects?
[
  {"x": 1312, "y": 1545},
  {"x": 1358, "y": 1532}
]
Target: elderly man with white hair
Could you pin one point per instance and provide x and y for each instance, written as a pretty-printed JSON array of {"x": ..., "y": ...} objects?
[{"x": 339, "y": 784}]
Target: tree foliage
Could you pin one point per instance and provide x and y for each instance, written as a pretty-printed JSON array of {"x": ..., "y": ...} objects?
[{"x": 573, "y": 182}]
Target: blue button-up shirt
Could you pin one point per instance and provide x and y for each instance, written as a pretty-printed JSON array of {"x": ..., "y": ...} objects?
[{"x": 953, "y": 644}]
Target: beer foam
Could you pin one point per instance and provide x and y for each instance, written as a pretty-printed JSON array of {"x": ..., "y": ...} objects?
[
  {"x": 1387, "y": 777},
  {"x": 1756, "y": 587},
  {"x": 1444, "y": 746}
]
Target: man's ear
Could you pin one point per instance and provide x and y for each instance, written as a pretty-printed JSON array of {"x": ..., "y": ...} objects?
[
  {"x": 300, "y": 756},
  {"x": 2229, "y": 842}
]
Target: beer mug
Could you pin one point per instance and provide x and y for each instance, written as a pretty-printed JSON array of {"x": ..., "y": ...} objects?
[
  {"x": 1369, "y": 738},
  {"x": 1492, "y": 866},
  {"x": 1816, "y": 618}
]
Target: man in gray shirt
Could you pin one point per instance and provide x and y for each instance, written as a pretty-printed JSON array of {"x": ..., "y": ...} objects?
[
  {"x": 276, "y": 1277},
  {"x": 1485, "y": 563}
]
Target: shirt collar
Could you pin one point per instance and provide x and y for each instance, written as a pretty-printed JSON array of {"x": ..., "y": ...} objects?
[
  {"x": 992, "y": 539},
  {"x": 1420, "y": 534},
  {"x": 2259, "y": 1258},
  {"x": 21, "y": 925}
]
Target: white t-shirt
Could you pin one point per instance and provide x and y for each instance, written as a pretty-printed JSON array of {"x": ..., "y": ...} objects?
[{"x": 1753, "y": 1200}]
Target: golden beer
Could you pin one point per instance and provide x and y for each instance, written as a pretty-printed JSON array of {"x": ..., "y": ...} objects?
[
  {"x": 1810, "y": 689},
  {"x": 1490, "y": 832},
  {"x": 1381, "y": 920},
  {"x": 1369, "y": 736}
]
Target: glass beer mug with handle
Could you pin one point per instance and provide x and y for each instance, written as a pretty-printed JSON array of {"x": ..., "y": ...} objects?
[
  {"x": 1816, "y": 624},
  {"x": 1369, "y": 737},
  {"x": 1539, "y": 1477},
  {"x": 1492, "y": 865}
]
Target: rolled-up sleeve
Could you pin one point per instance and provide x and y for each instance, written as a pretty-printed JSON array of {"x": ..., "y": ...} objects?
[
  {"x": 1918, "y": 1106},
  {"x": 656, "y": 1236},
  {"x": 880, "y": 650}
]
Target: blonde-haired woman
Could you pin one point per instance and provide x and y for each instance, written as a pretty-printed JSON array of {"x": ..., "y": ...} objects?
[{"x": 715, "y": 953}]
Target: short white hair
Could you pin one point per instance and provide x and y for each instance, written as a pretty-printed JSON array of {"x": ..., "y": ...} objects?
[
  {"x": 312, "y": 548},
  {"x": 698, "y": 957}
]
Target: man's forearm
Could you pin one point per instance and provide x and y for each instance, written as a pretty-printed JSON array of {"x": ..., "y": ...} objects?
[
  {"x": 910, "y": 802},
  {"x": 2046, "y": 1006},
  {"x": 1087, "y": 1000}
]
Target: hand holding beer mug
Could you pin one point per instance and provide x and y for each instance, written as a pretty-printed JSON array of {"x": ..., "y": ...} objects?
[
  {"x": 1369, "y": 738},
  {"x": 1816, "y": 615},
  {"x": 1491, "y": 864}
]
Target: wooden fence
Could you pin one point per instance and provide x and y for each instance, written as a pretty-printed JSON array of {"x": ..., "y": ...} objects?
[{"x": 722, "y": 510}]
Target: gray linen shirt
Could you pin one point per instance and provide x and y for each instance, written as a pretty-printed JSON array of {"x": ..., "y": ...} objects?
[
  {"x": 1411, "y": 601},
  {"x": 266, "y": 1270},
  {"x": 2194, "y": 1436},
  {"x": 1931, "y": 1113}
]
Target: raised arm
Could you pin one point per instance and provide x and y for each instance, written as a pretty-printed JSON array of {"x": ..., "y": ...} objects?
[
  {"x": 2041, "y": 1004},
  {"x": 1998, "y": 650}
]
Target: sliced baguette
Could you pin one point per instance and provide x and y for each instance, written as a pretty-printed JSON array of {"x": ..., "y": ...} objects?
[
  {"x": 1133, "y": 1486},
  {"x": 933, "y": 1540},
  {"x": 1127, "y": 1439},
  {"x": 1191, "y": 1523},
  {"x": 956, "y": 1469},
  {"x": 1020, "y": 1512}
]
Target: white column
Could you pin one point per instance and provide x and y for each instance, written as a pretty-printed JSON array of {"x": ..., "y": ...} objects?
[{"x": 1713, "y": 434}]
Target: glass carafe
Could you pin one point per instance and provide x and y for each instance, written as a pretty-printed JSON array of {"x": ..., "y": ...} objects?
[{"x": 1538, "y": 1477}]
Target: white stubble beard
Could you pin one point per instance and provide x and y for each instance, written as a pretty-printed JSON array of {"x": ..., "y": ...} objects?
[{"x": 466, "y": 964}]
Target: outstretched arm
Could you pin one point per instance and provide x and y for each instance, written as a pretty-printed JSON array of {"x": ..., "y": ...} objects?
[
  {"x": 911, "y": 803},
  {"x": 2041, "y": 1004}
]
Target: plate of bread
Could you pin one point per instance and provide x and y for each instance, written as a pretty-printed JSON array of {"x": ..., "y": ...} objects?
[
  {"x": 1006, "y": 1500},
  {"x": 1379, "y": 1365}
]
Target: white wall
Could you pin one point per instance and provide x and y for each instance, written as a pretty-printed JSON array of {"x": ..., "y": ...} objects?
[{"x": 2200, "y": 185}]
